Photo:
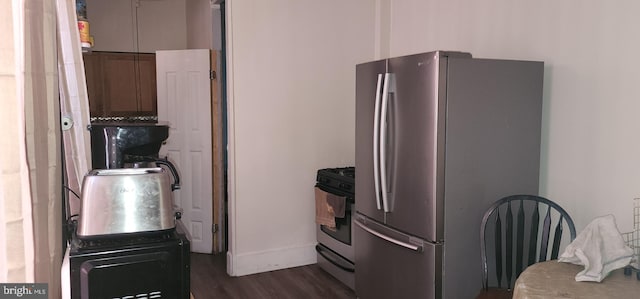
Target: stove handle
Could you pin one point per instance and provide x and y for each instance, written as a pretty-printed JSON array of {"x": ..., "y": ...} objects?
[{"x": 321, "y": 251}]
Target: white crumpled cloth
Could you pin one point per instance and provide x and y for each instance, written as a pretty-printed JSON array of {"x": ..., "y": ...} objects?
[{"x": 599, "y": 248}]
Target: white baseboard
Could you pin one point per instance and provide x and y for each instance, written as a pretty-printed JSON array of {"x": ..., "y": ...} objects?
[{"x": 269, "y": 260}]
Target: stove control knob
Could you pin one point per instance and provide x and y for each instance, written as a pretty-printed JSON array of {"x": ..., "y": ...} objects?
[{"x": 345, "y": 186}]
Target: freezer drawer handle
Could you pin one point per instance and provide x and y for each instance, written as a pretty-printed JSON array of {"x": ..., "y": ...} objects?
[{"x": 413, "y": 247}]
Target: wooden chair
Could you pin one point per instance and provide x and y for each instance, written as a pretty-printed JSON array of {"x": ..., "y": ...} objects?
[{"x": 517, "y": 231}]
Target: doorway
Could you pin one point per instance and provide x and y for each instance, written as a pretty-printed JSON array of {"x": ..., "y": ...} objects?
[{"x": 139, "y": 26}]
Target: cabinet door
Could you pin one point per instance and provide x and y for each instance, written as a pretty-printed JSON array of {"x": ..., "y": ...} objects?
[
  {"x": 120, "y": 84},
  {"x": 147, "y": 91},
  {"x": 93, "y": 74}
]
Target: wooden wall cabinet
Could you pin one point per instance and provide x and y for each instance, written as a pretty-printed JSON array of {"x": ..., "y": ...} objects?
[{"x": 121, "y": 84}]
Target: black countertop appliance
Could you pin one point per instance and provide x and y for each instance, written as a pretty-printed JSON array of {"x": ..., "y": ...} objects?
[{"x": 156, "y": 266}]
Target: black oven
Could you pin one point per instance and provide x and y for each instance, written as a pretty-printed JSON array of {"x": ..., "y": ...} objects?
[
  {"x": 151, "y": 267},
  {"x": 335, "y": 245}
]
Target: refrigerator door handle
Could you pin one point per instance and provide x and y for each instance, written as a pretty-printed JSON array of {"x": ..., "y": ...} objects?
[
  {"x": 416, "y": 248},
  {"x": 376, "y": 143},
  {"x": 388, "y": 87}
]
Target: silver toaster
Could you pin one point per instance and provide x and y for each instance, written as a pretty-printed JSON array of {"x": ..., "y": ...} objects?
[{"x": 125, "y": 201}]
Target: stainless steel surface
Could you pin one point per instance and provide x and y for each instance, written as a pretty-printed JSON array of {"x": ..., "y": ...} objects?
[
  {"x": 326, "y": 261},
  {"x": 461, "y": 133},
  {"x": 335, "y": 250},
  {"x": 140, "y": 164},
  {"x": 113, "y": 144},
  {"x": 156, "y": 162},
  {"x": 343, "y": 249},
  {"x": 492, "y": 150},
  {"x": 414, "y": 143},
  {"x": 376, "y": 142},
  {"x": 385, "y": 188},
  {"x": 359, "y": 222},
  {"x": 386, "y": 270},
  {"x": 126, "y": 200},
  {"x": 440, "y": 146},
  {"x": 174, "y": 172},
  {"x": 366, "y": 80}
]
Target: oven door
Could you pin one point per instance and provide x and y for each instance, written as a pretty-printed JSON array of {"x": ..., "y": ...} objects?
[
  {"x": 340, "y": 239},
  {"x": 342, "y": 232},
  {"x": 157, "y": 269}
]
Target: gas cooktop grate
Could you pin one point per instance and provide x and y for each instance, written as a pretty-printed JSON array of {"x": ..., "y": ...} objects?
[
  {"x": 341, "y": 179},
  {"x": 344, "y": 172}
]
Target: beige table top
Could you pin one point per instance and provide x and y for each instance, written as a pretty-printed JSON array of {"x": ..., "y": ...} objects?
[{"x": 552, "y": 279}]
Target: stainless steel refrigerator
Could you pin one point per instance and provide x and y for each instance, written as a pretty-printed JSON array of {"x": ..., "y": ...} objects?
[{"x": 439, "y": 137}]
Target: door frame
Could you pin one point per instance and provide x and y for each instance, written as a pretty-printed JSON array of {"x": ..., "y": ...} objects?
[{"x": 217, "y": 152}]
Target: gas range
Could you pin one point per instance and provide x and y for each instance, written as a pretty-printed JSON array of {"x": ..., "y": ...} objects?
[
  {"x": 335, "y": 249},
  {"x": 340, "y": 179}
]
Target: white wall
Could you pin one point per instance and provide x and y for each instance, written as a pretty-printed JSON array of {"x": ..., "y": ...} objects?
[
  {"x": 162, "y": 25},
  {"x": 199, "y": 24},
  {"x": 112, "y": 25},
  {"x": 292, "y": 99},
  {"x": 204, "y": 25},
  {"x": 138, "y": 25},
  {"x": 591, "y": 141},
  {"x": 216, "y": 14}
]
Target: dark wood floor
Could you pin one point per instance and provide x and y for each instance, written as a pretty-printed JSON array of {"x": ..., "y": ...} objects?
[{"x": 209, "y": 279}]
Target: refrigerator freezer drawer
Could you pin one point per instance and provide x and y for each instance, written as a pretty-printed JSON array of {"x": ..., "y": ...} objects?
[{"x": 389, "y": 269}]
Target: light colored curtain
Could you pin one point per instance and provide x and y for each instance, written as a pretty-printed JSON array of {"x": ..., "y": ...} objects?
[
  {"x": 16, "y": 243},
  {"x": 74, "y": 103},
  {"x": 40, "y": 41},
  {"x": 42, "y": 119},
  {"x": 30, "y": 158}
]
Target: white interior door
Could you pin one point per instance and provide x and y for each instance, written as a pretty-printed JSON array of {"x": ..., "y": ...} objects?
[{"x": 184, "y": 101}]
